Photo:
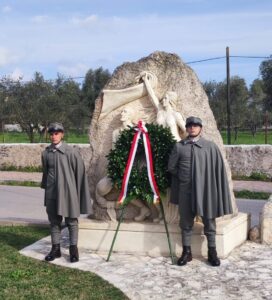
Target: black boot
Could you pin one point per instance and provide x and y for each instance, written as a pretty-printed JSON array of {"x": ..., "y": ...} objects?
[
  {"x": 186, "y": 256},
  {"x": 212, "y": 257},
  {"x": 54, "y": 253},
  {"x": 74, "y": 257}
]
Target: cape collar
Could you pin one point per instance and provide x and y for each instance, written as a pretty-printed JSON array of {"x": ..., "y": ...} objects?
[
  {"x": 198, "y": 142},
  {"x": 60, "y": 147}
]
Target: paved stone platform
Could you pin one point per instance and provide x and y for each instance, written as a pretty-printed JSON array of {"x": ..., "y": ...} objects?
[{"x": 246, "y": 274}]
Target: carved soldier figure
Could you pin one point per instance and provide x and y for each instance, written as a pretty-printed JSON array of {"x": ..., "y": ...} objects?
[{"x": 167, "y": 116}]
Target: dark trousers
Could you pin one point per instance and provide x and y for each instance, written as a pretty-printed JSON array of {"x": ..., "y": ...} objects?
[
  {"x": 187, "y": 222},
  {"x": 55, "y": 228}
]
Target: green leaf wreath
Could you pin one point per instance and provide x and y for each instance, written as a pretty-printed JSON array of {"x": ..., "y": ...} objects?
[{"x": 162, "y": 142}]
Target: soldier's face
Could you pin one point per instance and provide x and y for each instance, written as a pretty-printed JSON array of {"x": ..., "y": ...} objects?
[
  {"x": 56, "y": 137},
  {"x": 193, "y": 130}
]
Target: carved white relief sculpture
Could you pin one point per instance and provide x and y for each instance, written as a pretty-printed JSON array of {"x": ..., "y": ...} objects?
[
  {"x": 113, "y": 99},
  {"x": 126, "y": 119},
  {"x": 142, "y": 98},
  {"x": 167, "y": 116},
  {"x": 103, "y": 188},
  {"x": 164, "y": 114}
]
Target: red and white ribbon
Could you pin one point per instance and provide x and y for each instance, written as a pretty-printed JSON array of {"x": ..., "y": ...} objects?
[{"x": 141, "y": 130}]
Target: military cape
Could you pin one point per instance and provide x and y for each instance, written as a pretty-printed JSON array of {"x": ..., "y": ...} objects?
[
  {"x": 72, "y": 191},
  {"x": 209, "y": 190}
]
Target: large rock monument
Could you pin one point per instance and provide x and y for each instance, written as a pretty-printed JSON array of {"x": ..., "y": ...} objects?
[{"x": 134, "y": 92}]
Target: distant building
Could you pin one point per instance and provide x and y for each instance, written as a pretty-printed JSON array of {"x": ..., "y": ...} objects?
[{"x": 12, "y": 128}]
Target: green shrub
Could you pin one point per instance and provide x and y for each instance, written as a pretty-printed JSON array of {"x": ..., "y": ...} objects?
[
  {"x": 256, "y": 176},
  {"x": 21, "y": 169},
  {"x": 251, "y": 195}
]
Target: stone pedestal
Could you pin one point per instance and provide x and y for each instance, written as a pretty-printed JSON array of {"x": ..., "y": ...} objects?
[
  {"x": 266, "y": 222},
  {"x": 150, "y": 239}
]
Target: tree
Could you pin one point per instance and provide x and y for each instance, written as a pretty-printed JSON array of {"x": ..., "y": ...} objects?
[
  {"x": 68, "y": 95},
  {"x": 256, "y": 106},
  {"x": 5, "y": 111},
  {"x": 29, "y": 102},
  {"x": 93, "y": 83},
  {"x": 216, "y": 93},
  {"x": 266, "y": 73},
  {"x": 239, "y": 96}
]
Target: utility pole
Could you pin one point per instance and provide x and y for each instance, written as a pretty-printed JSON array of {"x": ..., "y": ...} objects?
[{"x": 228, "y": 96}]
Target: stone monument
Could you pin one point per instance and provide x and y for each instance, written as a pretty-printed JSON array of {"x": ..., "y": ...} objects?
[{"x": 158, "y": 89}]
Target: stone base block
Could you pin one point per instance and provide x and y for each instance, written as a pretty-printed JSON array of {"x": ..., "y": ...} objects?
[
  {"x": 150, "y": 239},
  {"x": 266, "y": 222}
]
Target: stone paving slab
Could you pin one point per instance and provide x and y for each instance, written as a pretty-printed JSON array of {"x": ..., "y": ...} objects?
[{"x": 246, "y": 274}]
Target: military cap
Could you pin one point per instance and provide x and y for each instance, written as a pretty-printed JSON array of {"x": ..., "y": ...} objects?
[
  {"x": 54, "y": 127},
  {"x": 193, "y": 120}
]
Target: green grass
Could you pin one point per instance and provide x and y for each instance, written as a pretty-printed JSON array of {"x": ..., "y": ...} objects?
[
  {"x": 20, "y": 137},
  {"x": 254, "y": 176},
  {"x": 252, "y": 195},
  {"x": 245, "y": 137},
  {"x": 20, "y": 183},
  {"x": 26, "y": 278}
]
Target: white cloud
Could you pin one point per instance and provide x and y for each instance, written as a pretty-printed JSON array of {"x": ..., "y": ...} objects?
[
  {"x": 71, "y": 44},
  {"x": 39, "y": 19},
  {"x": 75, "y": 70},
  {"x": 89, "y": 20},
  {"x": 6, "y": 9}
]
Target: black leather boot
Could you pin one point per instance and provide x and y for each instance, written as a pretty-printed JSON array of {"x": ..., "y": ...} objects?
[
  {"x": 212, "y": 257},
  {"x": 185, "y": 257},
  {"x": 74, "y": 257},
  {"x": 54, "y": 253}
]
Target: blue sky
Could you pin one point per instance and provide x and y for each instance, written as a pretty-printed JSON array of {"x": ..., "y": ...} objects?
[{"x": 70, "y": 37}]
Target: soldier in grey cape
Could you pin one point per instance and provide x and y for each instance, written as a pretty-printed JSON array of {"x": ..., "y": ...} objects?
[
  {"x": 199, "y": 187},
  {"x": 66, "y": 190}
]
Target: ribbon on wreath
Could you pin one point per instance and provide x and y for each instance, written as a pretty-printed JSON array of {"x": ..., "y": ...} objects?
[{"x": 141, "y": 130}]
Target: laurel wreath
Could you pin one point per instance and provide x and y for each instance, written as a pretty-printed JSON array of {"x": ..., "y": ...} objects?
[{"x": 162, "y": 142}]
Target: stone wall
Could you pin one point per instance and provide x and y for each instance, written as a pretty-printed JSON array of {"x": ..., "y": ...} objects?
[
  {"x": 243, "y": 159},
  {"x": 29, "y": 155},
  {"x": 246, "y": 159}
]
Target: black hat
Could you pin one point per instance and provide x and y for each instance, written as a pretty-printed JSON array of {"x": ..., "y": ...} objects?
[
  {"x": 193, "y": 120},
  {"x": 54, "y": 127}
]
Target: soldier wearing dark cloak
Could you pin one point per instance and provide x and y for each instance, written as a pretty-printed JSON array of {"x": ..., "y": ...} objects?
[
  {"x": 66, "y": 190},
  {"x": 199, "y": 187}
]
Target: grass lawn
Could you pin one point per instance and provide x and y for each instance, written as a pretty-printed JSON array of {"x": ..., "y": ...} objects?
[
  {"x": 244, "y": 137},
  {"x": 26, "y": 278},
  {"x": 20, "y": 137}
]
